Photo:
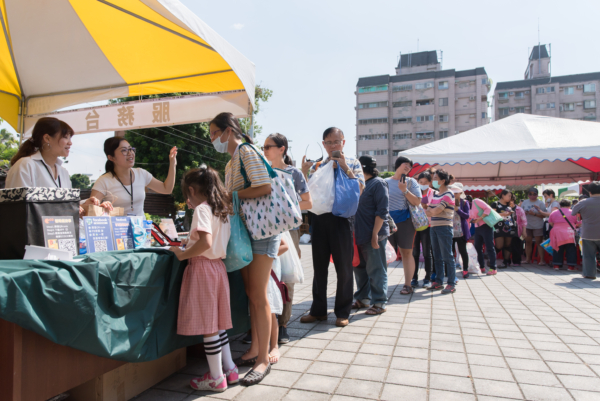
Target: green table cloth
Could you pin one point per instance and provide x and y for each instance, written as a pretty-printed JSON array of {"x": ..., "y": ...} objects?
[{"x": 120, "y": 305}]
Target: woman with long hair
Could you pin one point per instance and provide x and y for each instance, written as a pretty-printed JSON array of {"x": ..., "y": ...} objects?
[
  {"x": 227, "y": 136},
  {"x": 38, "y": 162},
  {"x": 423, "y": 237},
  {"x": 125, "y": 186},
  {"x": 275, "y": 150}
]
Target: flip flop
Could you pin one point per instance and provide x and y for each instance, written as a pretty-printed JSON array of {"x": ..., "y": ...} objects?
[
  {"x": 375, "y": 310},
  {"x": 358, "y": 305},
  {"x": 406, "y": 290}
]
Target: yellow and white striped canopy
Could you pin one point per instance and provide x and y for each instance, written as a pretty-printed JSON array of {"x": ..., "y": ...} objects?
[{"x": 58, "y": 53}]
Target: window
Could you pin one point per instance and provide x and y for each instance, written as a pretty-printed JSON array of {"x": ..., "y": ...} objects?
[
  {"x": 539, "y": 90},
  {"x": 403, "y": 104},
  {"x": 402, "y": 120},
  {"x": 484, "y": 81},
  {"x": 550, "y": 105},
  {"x": 569, "y": 90},
  {"x": 402, "y": 88},
  {"x": 589, "y": 104},
  {"x": 520, "y": 109},
  {"x": 589, "y": 88},
  {"x": 550, "y": 89},
  {"x": 396, "y": 152},
  {"x": 372, "y": 105},
  {"x": 425, "y": 102},
  {"x": 367, "y": 89},
  {"x": 424, "y": 85},
  {"x": 401, "y": 136},
  {"x": 373, "y": 121},
  {"x": 372, "y": 137},
  {"x": 421, "y": 119},
  {"x": 589, "y": 118},
  {"x": 373, "y": 152},
  {"x": 443, "y": 118},
  {"x": 425, "y": 135},
  {"x": 443, "y": 101},
  {"x": 503, "y": 95},
  {"x": 503, "y": 111},
  {"x": 443, "y": 85},
  {"x": 567, "y": 107},
  {"x": 543, "y": 106},
  {"x": 443, "y": 134},
  {"x": 483, "y": 115},
  {"x": 519, "y": 95}
]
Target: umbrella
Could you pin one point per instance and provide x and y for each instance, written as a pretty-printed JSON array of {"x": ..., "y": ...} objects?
[{"x": 58, "y": 53}]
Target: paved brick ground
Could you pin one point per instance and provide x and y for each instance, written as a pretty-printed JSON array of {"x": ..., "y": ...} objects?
[{"x": 527, "y": 333}]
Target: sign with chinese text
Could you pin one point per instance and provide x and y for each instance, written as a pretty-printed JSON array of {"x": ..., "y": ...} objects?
[
  {"x": 98, "y": 234},
  {"x": 148, "y": 113},
  {"x": 59, "y": 233},
  {"x": 122, "y": 232}
]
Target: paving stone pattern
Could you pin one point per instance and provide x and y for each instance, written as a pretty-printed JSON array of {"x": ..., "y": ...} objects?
[{"x": 527, "y": 333}]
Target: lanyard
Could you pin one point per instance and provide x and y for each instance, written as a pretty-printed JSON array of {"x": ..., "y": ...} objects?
[
  {"x": 59, "y": 185},
  {"x": 124, "y": 187}
]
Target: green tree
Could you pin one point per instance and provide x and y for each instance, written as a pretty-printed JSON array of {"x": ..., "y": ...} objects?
[
  {"x": 80, "y": 181},
  {"x": 261, "y": 95},
  {"x": 9, "y": 145},
  {"x": 192, "y": 140},
  {"x": 386, "y": 174}
]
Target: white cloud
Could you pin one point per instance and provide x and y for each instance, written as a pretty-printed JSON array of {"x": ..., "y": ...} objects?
[{"x": 238, "y": 26}]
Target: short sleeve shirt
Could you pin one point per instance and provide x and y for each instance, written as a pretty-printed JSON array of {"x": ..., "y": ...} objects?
[
  {"x": 534, "y": 222},
  {"x": 115, "y": 192},
  {"x": 353, "y": 164},
  {"x": 444, "y": 200},
  {"x": 300, "y": 184},
  {"x": 397, "y": 198},
  {"x": 204, "y": 220},
  {"x": 253, "y": 164}
]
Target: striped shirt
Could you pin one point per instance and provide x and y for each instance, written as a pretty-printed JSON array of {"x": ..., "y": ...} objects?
[
  {"x": 443, "y": 200},
  {"x": 253, "y": 164}
]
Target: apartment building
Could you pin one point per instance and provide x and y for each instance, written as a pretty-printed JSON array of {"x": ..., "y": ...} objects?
[
  {"x": 420, "y": 104},
  {"x": 567, "y": 96}
]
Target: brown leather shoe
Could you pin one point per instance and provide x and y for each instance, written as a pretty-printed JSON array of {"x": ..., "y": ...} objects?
[
  {"x": 311, "y": 318},
  {"x": 341, "y": 322}
]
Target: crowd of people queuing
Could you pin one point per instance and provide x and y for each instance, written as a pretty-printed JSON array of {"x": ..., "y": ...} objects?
[{"x": 426, "y": 216}]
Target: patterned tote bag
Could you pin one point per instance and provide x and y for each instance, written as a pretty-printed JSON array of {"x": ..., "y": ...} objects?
[{"x": 271, "y": 214}]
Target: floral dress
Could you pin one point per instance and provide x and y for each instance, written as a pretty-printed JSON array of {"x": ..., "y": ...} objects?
[{"x": 508, "y": 226}]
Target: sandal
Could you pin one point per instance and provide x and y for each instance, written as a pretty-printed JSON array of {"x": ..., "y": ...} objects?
[
  {"x": 253, "y": 377},
  {"x": 406, "y": 290},
  {"x": 245, "y": 362},
  {"x": 358, "y": 305},
  {"x": 375, "y": 310}
]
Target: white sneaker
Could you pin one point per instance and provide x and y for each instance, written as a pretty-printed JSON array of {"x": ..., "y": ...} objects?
[{"x": 207, "y": 383}]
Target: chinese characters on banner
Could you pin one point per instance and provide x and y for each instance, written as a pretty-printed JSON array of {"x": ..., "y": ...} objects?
[{"x": 59, "y": 233}]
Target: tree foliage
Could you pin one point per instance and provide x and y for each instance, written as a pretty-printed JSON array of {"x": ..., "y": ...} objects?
[
  {"x": 80, "y": 181},
  {"x": 192, "y": 140},
  {"x": 261, "y": 95},
  {"x": 9, "y": 145}
]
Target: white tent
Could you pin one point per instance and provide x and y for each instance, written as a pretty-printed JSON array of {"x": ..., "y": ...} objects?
[{"x": 517, "y": 150}]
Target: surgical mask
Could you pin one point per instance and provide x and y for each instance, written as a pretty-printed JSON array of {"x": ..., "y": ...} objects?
[
  {"x": 436, "y": 184},
  {"x": 220, "y": 147},
  {"x": 424, "y": 187}
]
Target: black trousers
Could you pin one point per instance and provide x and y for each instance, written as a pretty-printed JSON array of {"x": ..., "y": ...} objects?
[
  {"x": 516, "y": 250},
  {"x": 424, "y": 238},
  {"x": 332, "y": 235},
  {"x": 462, "y": 249}
]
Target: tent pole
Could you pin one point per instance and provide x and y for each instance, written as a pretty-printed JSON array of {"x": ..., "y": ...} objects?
[{"x": 21, "y": 127}]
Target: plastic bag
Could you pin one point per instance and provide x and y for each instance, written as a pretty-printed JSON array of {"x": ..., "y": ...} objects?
[
  {"x": 322, "y": 189},
  {"x": 305, "y": 239},
  {"x": 473, "y": 264},
  {"x": 547, "y": 247},
  {"x": 239, "y": 247},
  {"x": 390, "y": 255},
  {"x": 291, "y": 267},
  {"x": 347, "y": 193}
]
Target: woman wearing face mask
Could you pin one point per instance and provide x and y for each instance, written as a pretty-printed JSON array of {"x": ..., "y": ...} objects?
[
  {"x": 402, "y": 190},
  {"x": 226, "y": 136},
  {"x": 275, "y": 150},
  {"x": 441, "y": 212},
  {"x": 423, "y": 238},
  {"x": 125, "y": 186},
  {"x": 506, "y": 229},
  {"x": 38, "y": 163},
  {"x": 461, "y": 232}
]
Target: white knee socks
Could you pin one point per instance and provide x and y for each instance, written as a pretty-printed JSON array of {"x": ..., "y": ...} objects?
[
  {"x": 212, "y": 346},
  {"x": 226, "y": 351}
]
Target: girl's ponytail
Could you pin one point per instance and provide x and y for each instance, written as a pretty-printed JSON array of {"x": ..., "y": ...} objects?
[
  {"x": 281, "y": 141},
  {"x": 45, "y": 125},
  {"x": 227, "y": 120},
  {"x": 26, "y": 149},
  {"x": 110, "y": 146}
]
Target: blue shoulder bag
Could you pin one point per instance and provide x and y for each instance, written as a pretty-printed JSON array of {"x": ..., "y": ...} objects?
[
  {"x": 347, "y": 194},
  {"x": 239, "y": 248}
]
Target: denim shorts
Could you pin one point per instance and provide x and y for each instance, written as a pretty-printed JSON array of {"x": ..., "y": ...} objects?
[{"x": 266, "y": 246}]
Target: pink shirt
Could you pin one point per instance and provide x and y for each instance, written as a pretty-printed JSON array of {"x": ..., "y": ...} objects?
[
  {"x": 475, "y": 213},
  {"x": 521, "y": 220},
  {"x": 561, "y": 232}
]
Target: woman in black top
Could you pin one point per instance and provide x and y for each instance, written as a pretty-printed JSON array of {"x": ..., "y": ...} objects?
[{"x": 506, "y": 229}]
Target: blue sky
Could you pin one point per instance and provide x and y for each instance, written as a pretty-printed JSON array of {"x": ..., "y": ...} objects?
[{"x": 311, "y": 53}]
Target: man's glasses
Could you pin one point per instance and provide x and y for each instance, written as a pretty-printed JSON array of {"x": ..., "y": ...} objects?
[
  {"x": 331, "y": 143},
  {"x": 267, "y": 147},
  {"x": 532, "y": 194},
  {"x": 125, "y": 151}
]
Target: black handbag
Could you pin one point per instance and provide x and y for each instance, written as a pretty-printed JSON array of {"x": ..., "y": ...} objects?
[{"x": 22, "y": 210}]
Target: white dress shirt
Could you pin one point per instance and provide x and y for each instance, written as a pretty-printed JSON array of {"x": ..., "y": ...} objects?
[{"x": 32, "y": 171}]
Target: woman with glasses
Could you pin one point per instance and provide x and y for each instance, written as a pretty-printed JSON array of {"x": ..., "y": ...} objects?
[
  {"x": 535, "y": 225},
  {"x": 125, "y": 186}
]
